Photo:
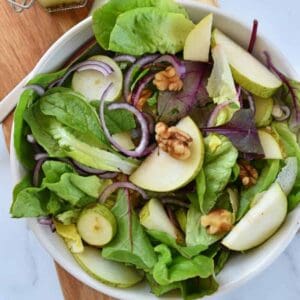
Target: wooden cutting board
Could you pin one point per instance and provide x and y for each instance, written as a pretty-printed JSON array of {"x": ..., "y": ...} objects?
[{"x": 23, "y": 40}]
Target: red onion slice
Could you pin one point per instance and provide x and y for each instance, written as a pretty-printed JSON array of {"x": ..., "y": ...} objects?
[
  {"x": 169, "y": 200},
  {"x": 87, "y": 169},
  {"x": 36, "y": 171},
  {"x": 253, "y": 36},
  {"x": 136, "y": 94},
  {"x": 118, "y": 185},
  {"x": 108, "y": 175},
  {"x": 125, "y": 58},
  {"x": 138, "y": 64},
  {"x": 37, "y": 88},
  {"x": 39, "y": 156},
  {"x": 174, "y": 61},
  {"x": 138, "y": 152},
  {"x": 99, "y": 66},
  {"x": 215, "y": 112}
]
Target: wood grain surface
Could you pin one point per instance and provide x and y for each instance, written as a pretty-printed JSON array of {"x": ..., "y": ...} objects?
[{"x": 23, "y": 40}]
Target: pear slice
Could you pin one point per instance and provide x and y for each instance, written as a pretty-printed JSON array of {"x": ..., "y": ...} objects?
[
  {"x": 263, "y": 111},
  {"x": 97, "y": 225},
  {"x": 288, "y": 175},
  {"x": 154, "y": 217},
  {"x": 247, "y": 71},
  {"x": 197, "y": 43},
  {"x": 92, "y": 84},
  {"x": 111, "y": 273},
  {"x": 270, "y": 144},
  {"x": 124, "y": 140},
  {"x": 261, "y": 221},
  {"x": 161, "y": 172}
]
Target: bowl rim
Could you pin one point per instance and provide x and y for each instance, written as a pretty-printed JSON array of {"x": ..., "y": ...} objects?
[{"x": 16, "y": 170}]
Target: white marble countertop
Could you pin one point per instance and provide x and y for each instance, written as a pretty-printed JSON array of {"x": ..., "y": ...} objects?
[{"x": 26, "y": 270}]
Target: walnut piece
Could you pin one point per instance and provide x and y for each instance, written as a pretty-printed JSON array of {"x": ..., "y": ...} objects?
[
  {"x": 168, "y": 79},
  {"x": 173, "y": 141},
  {"x": 217, "y": 221},
  {"x": 145, "y": 95},
  {"x": 248, "y": 173}
]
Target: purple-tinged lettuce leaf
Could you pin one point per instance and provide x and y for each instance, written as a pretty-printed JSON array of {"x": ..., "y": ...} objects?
[
  {"x": 173, "y": 106},
  {"x": 242, "y": 132}
]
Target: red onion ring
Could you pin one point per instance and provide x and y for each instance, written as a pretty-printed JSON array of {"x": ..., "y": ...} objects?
[
  {"x": 174, "y": 201},
  {"x": 138, "y": 152},
  {"x": 125, "y": 58},
  {"x": 87, "y": 169},
  {"x": 118, "y": 185},
  {"x": 215, "y": 112},
  {"x": 39, "y": 156},
  {"x": 35, "y": 87},
  {"x": 36, "y": 171},
  {"x": 253, "y": 36},
  {"x": 99, "y": 66},
  {"x": 108, "y": 175},
  {"x": 138, "y": 64},
  {"x": 174, "y": 61},
  {"x": 136, "y": 94}
]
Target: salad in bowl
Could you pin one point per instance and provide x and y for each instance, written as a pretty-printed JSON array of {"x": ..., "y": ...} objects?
[{"x": 160, "y": 150}]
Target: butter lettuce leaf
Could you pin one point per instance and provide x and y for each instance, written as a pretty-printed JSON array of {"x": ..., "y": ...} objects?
[
  {"x": 149, "y": 30},
  {"x": 131, "y": 244},
  {"x": 104, "y": 18},
  {"x": 169, "y": 269}
]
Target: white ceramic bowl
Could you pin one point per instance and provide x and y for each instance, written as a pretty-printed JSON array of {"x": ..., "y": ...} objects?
[{"x": 241, "y": 267}]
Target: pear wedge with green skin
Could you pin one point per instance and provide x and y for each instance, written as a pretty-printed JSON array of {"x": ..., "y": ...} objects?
[
  {"x": 160, "y": 172},
  {"x": 97, "y": 225},
  {"x": 197, "y": 43},
  {"x": 288, "y": 175},
  {"x": 260, "y": 222},
  {"x": 92, "y": 84},
  {"x": 247, "y": 71},
  {"x": 108, "y": 272},
  {"x": 270, "y": 144},
  {"x": 263, "y": 111},
  {"x": 154, "y": 217},
  {"x": 124, "y": 140}
]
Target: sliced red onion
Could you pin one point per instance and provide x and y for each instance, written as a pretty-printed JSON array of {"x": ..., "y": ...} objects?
[
  {"x": 37, "y": 88},
  {"x": 215, "y": 112},
  {"x": 99, "y": 66},
  {"x": 138, "y": 64},
  {"x": 87, "y": 169},
  {"x": 140, "y": 118},
  {"x": 125, "y": 58},
  {"x": 281, "y": 112},
  {"x": 45, "y": 221},
  {"x": 39, "y": 156},
  {"x": 108, "y": 175},
  {"x": 169, "y": 200},
  {"x": 253, "y": 36},
  {"x": 30, "y": 139},
  {"x": 250, "y": 101},
  {"x": 136, "y": 94},
  {"x": 150, "y": 122},
  {"x": 284, "y": 79},
  {"x": 118, "y": 185},
  {"x": 36, "y": 171},
  {"x": 174, "y": 61}
]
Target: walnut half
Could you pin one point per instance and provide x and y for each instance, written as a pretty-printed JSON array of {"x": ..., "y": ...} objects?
[
  {"x": 173, "y": 141},
  {"x": 248, "y": 173},
  {"x": 168, "y": 80},
  {"x": 217, "y": 221}
]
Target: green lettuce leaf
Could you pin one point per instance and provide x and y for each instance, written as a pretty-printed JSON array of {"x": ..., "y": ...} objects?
[
  {"x": 170, "y": 269},
  {"x": 195, "y": 233},
  {"x": 67, "y": 126},
  {"x": 221, "y": 87},
  {"x": 266, "y": 178},
  {"x": 53, "y": 170},
  {"x": 168, "y": 240},
  {"x": 69, "y": 217},
  {"x": 105, "y": 17},
  {"x": 158, "y": 289},
  {"x": 221, "y": 259},
  {"x": 196, "y": 288},
  {"x": 292, "y": 148},
  {"x": 23, "y": 148},
  {"x": 131, "y": 244},
  {"x": 149, "y": 30},
  {"x": 45, "y": 79},
  {"x": 220, "y": 159}
]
